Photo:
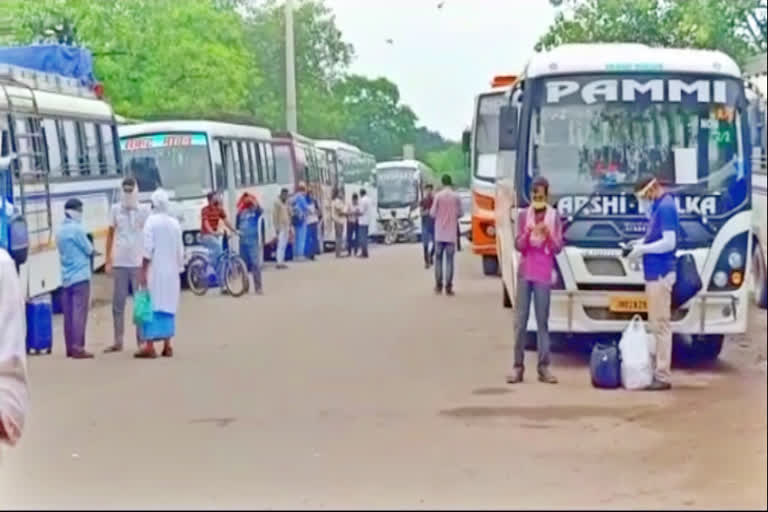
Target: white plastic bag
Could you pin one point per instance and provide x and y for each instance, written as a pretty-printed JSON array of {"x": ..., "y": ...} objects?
[{"x": 636, "y": 369}]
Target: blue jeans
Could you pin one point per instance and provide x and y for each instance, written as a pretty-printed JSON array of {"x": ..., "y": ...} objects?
[
  {"x": 362, "y": 240},
  {"x": 313, "y": 241},
  {"x": 250, "y": 252},
  {"x": 541, "y": 298},
  {"x": 449, "y": 250},
  {"x": 428, "y": 238},
  {"x": 213, "y": 244},
  {"x": 301, "y": 240},
  {"x": 352, "y": 229}
]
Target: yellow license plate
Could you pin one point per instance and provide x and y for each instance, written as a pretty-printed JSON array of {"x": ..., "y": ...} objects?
[{"x": 628, "y": 305}]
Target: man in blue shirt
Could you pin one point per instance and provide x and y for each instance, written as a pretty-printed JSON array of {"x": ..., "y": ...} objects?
[
  {"x": 249, "y": 213},
  {"x": 657, "y": 249},
  {"x": 75, "y": 254},
  {"x": 300, "y": 211}
]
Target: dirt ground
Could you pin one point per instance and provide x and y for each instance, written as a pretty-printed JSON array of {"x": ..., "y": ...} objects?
[{"x": 349, "y": 385}]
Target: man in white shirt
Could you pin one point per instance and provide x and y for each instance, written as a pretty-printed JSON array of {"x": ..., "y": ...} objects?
[
  {"x": 14, "y": 393},
  {"x": 364, "y": 222},
  {"x": 339, "y": 219},
  {"x": 124, "y": 253}
]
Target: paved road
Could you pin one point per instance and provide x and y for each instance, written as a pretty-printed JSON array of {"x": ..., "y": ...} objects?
[{"x": 350, "y": 385}]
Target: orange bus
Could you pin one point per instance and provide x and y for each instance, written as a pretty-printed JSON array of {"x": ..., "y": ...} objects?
[{"x": 481, "y": 144}]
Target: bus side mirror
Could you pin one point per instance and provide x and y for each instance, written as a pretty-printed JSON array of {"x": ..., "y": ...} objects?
[
  {"x": 508, "y": 119},
  {"x": 466, "y": 138}
]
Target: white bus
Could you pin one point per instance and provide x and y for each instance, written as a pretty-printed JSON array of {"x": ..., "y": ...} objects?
[
  {"x": 62, "y": 140},
  {"x": 351, "y": 168},
  {"x": 189, "y": 159},
  {"x": 592, "y": 119},
  {"x": 399, "y": 187}
]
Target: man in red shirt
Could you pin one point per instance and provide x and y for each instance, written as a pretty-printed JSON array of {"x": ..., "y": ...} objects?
[{"x": 213, "y": 214}]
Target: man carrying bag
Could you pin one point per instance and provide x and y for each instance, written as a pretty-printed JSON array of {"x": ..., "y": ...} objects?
[{"x": 657, "y": 249}]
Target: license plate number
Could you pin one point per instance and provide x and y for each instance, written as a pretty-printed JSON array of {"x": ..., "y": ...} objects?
[{"x": 629, "y": 304}]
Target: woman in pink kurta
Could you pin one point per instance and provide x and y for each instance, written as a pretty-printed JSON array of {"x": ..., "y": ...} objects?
[{"x": 539, "y": 239}]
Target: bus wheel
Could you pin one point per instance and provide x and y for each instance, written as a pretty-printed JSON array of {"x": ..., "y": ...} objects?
[
  {"x": 506, "y": 301},
  {"x": 759, "y": 276},
  {"x": 490, "y": 266},
  {"x": 708, "y": 347}
]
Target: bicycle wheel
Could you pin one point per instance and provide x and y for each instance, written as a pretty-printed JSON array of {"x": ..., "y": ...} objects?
[
  {"x": 197, "y": 275},
  {"x": 236, "y": 277}
]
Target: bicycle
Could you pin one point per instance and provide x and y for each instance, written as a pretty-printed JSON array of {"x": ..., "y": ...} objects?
[{"x": 230, "y": 269}]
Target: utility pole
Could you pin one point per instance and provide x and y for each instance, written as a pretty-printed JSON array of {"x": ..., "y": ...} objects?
[{"x": 291, "y": 123}]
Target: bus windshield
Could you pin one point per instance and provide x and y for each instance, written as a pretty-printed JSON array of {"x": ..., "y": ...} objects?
[
  {"x": 487, "y": 135},
  {"x": 396, "y": 187},
  {"x": 594, "y": 132},
  {"x": 176, "y": 162}
]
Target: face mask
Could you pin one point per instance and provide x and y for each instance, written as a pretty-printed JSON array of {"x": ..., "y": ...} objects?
[
  {"x": 645, "y": 206},
  {"x": 539, "y": 205},
  {"x": 75, "y": 215},
  {"x": 130, "y": 199}
]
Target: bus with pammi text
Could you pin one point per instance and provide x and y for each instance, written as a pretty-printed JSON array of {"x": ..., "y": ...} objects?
[{"x": 593, "y": 119}]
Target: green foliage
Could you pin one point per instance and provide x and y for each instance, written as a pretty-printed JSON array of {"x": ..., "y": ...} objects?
[
  {"x": 451, "y": 161},
  {"x": 225, "y": 60},
  {"x": 736, "y": 27}
]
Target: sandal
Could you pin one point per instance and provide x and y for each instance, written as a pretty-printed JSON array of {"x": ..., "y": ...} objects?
[
  {"x": 112, "y": 349},
  {"x": 145, "y": 354},
  {"x": 167, "y": 352}
]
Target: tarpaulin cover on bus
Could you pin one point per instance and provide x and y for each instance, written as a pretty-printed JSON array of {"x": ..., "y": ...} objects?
[{"x": 62, "y": 60}]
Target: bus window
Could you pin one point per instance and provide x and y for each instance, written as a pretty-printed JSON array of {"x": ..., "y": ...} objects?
[
  {"x": 258, "y": 149},
  {"x": 222, "y": 176},
  {"x": 108, "y": 148},
  {"x": 269, "y": 164},
  {"x": 55, "y": 151},
  {"x": 240, "y": 165},
  {"x": 283, "y": 164},
  {"x": 248, "y": 150}
]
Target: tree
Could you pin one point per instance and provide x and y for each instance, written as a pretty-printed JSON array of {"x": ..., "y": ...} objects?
[
  {"x": 322, "y": 59},
  {"x": 450, "y": 161},
  {"x": 374, "y": 117},
  {"x": 736, "y": 27},
  {"x": 154, "y": 56}
]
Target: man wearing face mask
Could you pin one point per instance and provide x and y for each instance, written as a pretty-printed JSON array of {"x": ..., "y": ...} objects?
[
  {"x": 124, "y": 250},
  {"x": 657, "y": 249},
  {"x": 75, "y": 254}
]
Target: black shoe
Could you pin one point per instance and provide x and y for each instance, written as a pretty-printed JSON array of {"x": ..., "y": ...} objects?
[
  {"x": 449, "y": 291},
  {"x": 438, "y": 290},
  {"x": 659, "y": 385}
]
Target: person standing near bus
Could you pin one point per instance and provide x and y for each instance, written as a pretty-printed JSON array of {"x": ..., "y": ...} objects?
[
  {"x": 14, "y": 390},
  {"x": 123, "y": 260},
  {"x": 364, "y": 221},
  {"x": 161, "y": 267},
  {"x": 446, "y": 212},
  {"x": 657, "y": 249},
  {"x": 313, "y": 223},
  {"x": 281, "y": 218},
  {"x": 337, "y": 214},
  {"x": 428, "y": 225},
  {"x": 539, "y": 239},
  {"x": 212, "y": 216},
  {"x": 353, "y": 215},
  {"x": 248, "y": 216},
  {"x": 76, "y": 258},
  {"x": 299, "y": 212}
]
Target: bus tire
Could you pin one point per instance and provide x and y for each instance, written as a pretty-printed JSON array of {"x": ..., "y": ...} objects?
[
  {"x": 759, "y": 276},
  {"x": 490, "y": 265},
  {"x": 505, "y": 301},
  {"x": 707, "y": 347}
]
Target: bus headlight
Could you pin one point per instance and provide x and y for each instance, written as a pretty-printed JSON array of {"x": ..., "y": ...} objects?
[
  {"x": 189, "y": 239},
  {"x": 735, "y": 260},
  {"x": 730, "y": 267},
  {"x": 720, "y": 279}
]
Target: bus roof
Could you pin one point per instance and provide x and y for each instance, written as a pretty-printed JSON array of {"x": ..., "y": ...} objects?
[
  {"x": 601, "y": 58},
  {"x": 415, "y": 164},
  {"x": 215, "y": 128},
  {"x": 336, "y": 145}
]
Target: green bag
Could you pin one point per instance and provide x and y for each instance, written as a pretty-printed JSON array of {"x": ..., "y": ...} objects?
[{"x": 142, "y": 307}]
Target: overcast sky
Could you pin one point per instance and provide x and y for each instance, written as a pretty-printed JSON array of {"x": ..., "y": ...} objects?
[{"x": 441, "y": 58}]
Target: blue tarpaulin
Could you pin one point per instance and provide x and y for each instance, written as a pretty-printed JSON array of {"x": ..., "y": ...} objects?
[{"x": 62, "y": 60}]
